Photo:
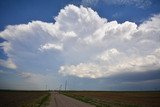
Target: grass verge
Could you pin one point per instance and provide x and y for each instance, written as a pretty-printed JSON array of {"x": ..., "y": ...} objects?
[
  {"x": 40, "y": 102},
  {"x": 98, "y": 102}
]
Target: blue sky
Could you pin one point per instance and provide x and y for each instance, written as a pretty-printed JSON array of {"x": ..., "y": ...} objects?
[
  {"x": 22, "y": 11},
  {"x": 93, "y": 44}
]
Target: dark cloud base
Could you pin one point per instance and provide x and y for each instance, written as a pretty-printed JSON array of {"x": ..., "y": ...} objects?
[{"x": 143, "y": 81}]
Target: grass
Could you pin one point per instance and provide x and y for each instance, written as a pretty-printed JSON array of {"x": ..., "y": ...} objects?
[
  {"x": 24, "y": 98},
  {"x": 44, "y": 100},
  {"x": 116, "y": 99},
  {"x": 40, "y": 102}
]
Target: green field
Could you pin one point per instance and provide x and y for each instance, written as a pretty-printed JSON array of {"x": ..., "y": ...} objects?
[
  {"x": 24, "y": 98},
  {"x": 117, "y": 98}
]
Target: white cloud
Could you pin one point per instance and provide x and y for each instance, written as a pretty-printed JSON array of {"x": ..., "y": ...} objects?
[
  {"x": 136, "y": 64},
  {"x": 82, "y": 70},
  {"x": 122, "y": 65},
  {"x": 26, "y": 75},
  {"x": 8, "y": 63},
  {"x": 157, "y": 53},
  {"x": 77, "y": 19},
  {"x": 109, "y": 54},
  {"x": 6, "y": 46},
  {"x": 48, "y": 46},
  {"x": 89, "y": 45}
]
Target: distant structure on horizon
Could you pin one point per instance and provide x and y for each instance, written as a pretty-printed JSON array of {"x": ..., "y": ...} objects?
[
  {"x": 46, "y": 86},
  {"x": 65, "y": 85}
]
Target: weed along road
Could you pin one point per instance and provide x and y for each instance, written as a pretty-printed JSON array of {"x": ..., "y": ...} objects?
[{"x": 59, "y": 100}]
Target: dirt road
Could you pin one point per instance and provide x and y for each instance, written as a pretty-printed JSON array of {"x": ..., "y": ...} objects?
[{"x": 59, "y": 100}]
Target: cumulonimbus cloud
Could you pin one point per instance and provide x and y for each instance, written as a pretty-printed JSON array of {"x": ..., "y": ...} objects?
[{"x": 84, "y": 44}]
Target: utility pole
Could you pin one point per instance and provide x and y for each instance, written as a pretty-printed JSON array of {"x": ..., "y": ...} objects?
[
  {"x": 60, "y": 87},
  {"x": 46, "y": 87},
  {"x": 65, "y": 85}
]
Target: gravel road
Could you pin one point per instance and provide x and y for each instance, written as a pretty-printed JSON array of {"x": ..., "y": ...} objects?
[{"x": 59, "y": 100}]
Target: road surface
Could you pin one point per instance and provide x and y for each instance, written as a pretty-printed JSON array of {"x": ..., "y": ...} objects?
[{"x": 59, "y": 100}]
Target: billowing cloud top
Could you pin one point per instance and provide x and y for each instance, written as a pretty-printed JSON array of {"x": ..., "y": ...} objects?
[{"x": 81, "y": 43}]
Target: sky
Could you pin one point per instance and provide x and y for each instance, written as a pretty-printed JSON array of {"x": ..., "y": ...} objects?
[{"x": 92, "y": 44}]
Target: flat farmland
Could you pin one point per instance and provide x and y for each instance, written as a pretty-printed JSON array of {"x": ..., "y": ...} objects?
[
  {"x": 23, "y": 98},
  {"x": 117, "y": 98}
]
